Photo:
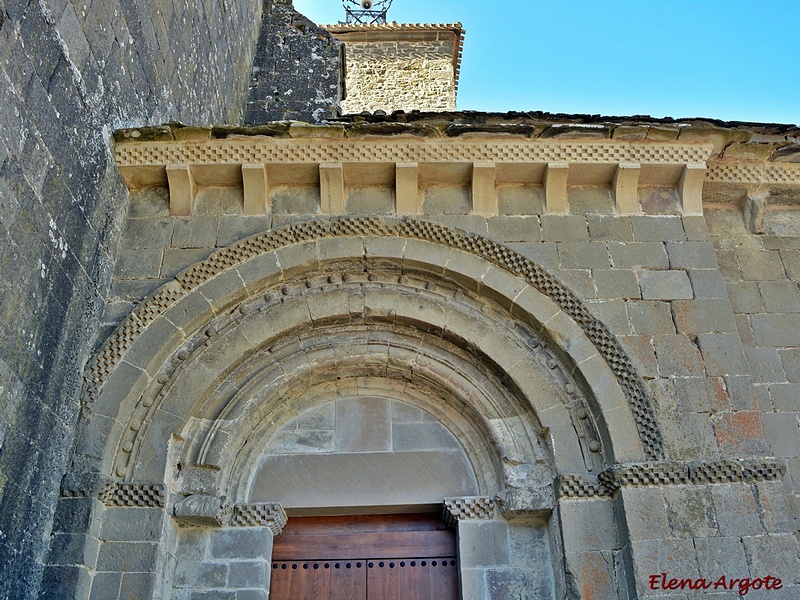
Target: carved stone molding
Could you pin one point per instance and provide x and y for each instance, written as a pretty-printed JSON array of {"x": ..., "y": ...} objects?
[
  {"x": 111, "y": 354},
  {"x": 261, "y": 514},
  {"x": 134, "y": 495},
  {"x": 659, "y": 474},
  {"x": 467, "y": 508}
]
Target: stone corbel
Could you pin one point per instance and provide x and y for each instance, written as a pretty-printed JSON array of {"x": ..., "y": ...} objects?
[
  {"x": 555, "y": 188},
  {"x": 182, "y": 190}
]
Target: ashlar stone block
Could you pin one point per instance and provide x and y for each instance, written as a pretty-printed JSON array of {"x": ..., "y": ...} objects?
[
  {"x": 665, "y": 285},
  {"x": 643, "y": 255},
  {"x": 703, "y": 316},
  {"x": 482, "y": 543}
]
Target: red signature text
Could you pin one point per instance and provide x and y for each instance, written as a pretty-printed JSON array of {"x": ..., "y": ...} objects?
[{"x": 743, "y": 585}]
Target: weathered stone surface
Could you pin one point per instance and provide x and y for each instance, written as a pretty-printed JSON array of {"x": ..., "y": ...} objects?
[
  {"x": 778, "y": 330},
  {"x": 665, "y": 285},
  {"x": 70, "y": 74},
  {"x": 290, "y": 44}
]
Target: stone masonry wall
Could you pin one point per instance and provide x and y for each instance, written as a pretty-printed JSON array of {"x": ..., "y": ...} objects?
[
  {"x": 296, "y": 70},
  {"x": 706, "y": 318},
  {"x": 762, "y": 275},
  {"x": 399, "y": 75},
  {"x": 71, "y": 72}
]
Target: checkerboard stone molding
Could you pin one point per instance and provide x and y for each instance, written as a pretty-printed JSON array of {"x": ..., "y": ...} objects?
[
  {"x": 260, "y": 514},
  {"x": 467, "y": 508},
  {"x": 572, "y": 485},
  {"x": 113, "y": 351},
  {"x": 112, "y": 493},
  {"x": 657, "y": 474}
]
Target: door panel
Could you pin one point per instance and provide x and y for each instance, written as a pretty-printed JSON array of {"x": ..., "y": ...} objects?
[
  {"x": 388, "y": 557},
  {"x": 413, "y": 579}
]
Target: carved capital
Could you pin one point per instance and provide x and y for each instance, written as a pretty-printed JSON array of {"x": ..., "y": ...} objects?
[{"x": 203, "y": 510}]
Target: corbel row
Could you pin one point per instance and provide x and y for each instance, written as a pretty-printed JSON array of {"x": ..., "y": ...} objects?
[{"x": 255, "y": 181}]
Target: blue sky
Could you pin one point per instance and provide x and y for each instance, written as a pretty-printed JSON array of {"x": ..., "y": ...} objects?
[{"x": 730, "y": 60}]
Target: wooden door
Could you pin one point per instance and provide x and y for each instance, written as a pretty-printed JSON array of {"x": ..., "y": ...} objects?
[{"x": 384, "y": 557}]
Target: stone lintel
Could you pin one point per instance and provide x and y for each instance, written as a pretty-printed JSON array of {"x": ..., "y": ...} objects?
[
  {"x": 555, "y": 188},
  {"x": 407, "y": 188},
  {"x": 201, "y": 510},
  {"x": 255, "y": 186},
  {"x": 483, "y": 193},
  {"x": 331, "y": 188},
  {"x": 182, "y": 190},
  {"x": 626, "y": 187}
]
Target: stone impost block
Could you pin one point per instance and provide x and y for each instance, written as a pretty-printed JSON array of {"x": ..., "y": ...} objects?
[
  {"x": 483, "y": 196},
  {"x": 532, "y": 501},
  {"x": 407, "y": 189},
  {"x": 182, "y": 190},
  {"x": 202, "y": 510},
  {"x": 555, "y": 188},
  {"x": 256, "y": 189},
  {"x": 626, "y": 187},
  {"x": 691, "y": 188},
  {"x": 331, "y": 189}
]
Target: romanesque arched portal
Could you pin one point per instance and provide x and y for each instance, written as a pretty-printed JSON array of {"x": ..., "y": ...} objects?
[{"x": 221, "y": 381}]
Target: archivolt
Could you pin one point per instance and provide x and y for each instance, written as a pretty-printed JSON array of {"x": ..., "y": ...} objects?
[{"x": 134, "y": 365}]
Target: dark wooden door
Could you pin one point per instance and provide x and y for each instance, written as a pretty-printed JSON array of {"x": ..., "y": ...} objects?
[{"x": 385, "y": 557}]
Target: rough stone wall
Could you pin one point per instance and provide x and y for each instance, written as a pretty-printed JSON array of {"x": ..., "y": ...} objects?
[
  {"x": 70, "y": 74},
  {"x": 399, "y": 75},
  {"x": 296, "y": 70}
]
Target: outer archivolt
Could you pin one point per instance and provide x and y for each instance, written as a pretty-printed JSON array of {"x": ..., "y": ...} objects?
[{"x": 114, "y": 350}]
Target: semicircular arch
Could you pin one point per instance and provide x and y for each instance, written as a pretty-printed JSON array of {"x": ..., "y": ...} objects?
[{"x": 137, "y": 363}]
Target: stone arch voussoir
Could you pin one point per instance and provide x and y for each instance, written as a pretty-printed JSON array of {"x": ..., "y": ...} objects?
[{"x": 127, "y": 374}]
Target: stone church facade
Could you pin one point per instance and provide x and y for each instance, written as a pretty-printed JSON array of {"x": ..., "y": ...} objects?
[{"x": 574, "y": 338}]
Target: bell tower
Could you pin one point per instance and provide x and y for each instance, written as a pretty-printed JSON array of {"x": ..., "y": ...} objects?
[
  {"x": 397, "y": 66},
  {"x": 366, "y": 12}
]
